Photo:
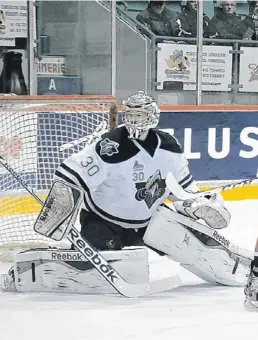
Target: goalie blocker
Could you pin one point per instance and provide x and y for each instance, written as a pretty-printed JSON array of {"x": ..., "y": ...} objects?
[{"x": 59, "y": 212}]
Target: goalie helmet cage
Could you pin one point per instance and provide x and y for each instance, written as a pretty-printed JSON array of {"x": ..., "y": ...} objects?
[{"x": 32, "y": 129}]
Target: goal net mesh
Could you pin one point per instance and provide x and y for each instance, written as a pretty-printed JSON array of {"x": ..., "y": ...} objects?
[{"x": 32, "y": 129}]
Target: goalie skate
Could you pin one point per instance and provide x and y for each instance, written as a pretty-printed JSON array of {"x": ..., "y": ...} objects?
[
  {"x": 7, "y": 281},
  {"x": 251, "y": 291}
]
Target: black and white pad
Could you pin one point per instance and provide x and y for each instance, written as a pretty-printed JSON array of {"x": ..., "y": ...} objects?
[
  {"x": 198, "y": 248},
  {"x": 59, "y": 210},
  {"x": 66, "y": 271}
]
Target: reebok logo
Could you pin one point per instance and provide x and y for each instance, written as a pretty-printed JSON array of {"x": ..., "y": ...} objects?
[
  {"x": 101, "y": 265},
  {"x": 47, "y": 208},
  {"x": 67, "y": 256},
  {"x": 221, "y": 239},
  {"x": 15, "y": 174}
]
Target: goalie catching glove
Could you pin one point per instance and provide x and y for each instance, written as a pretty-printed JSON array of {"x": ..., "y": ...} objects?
[{"x": 209, "y": 208}]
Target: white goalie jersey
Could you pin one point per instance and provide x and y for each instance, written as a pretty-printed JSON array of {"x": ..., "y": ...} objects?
[{"x": 123, "y": 180}]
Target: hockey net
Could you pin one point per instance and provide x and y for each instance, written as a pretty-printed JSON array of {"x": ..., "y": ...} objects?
[{"x": 32, "y": 129}]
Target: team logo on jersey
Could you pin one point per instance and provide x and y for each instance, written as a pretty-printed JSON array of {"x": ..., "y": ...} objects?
[
  {"x": 151, "y": 190},
  {"x": 108, "y": 147}
]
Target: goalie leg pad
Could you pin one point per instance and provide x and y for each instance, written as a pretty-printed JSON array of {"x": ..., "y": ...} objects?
[
  {"x": 195, "y": 251},
  {"x": 66, "y": 271}
]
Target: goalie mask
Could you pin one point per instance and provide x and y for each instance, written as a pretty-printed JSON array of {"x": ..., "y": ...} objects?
[{"x": 141, "y": 114}]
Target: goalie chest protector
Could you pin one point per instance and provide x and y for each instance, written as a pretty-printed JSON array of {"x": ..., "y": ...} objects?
[{"x": 123, "y": 180}]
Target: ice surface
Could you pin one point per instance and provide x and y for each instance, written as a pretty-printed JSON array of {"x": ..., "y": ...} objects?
[{"x": 196, "y": 310}]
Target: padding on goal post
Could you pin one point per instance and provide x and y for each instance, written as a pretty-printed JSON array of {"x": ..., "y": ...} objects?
[{"x": 32, "y": 129}]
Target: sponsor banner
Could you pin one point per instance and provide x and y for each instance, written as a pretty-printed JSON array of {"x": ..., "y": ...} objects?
[
  {"x": 248, "y": 69},
  {"x": 54, "y": 66},
  {"x": 219, "y": 145},
  {"x": 13, "y": 20},
  {"x": 177, "y": 63}
]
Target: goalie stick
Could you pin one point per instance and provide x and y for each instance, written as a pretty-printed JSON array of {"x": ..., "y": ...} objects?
[
  {"x": 182, "y": 194},
  {"x": 100, "y": 129},
  {"x": 102, "y": 266}
]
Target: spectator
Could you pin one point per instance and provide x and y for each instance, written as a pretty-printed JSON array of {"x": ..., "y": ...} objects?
[
  {"x": 12, "y": 78},
  {"x": 159, "y": 19},
  {"x": 226, "y": 23},
  {"x": 250, "y": 23},
  {"x": 188, "y": 20}
]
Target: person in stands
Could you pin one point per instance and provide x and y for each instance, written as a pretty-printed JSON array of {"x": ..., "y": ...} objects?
[
  {"x": 188, "y": 21},
  {"x": 250, "y": 23},
  {"x": 226, "y": 24},
  {"x": 159, "y": 19}
]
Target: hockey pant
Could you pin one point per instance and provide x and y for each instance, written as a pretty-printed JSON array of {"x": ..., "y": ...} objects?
[{"x": 105, "y": 235}]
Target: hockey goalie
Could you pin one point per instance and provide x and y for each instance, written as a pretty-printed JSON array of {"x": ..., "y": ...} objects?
[{"x": 117, "y": 191}]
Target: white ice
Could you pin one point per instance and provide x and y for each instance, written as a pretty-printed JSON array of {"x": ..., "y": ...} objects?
[{"x": 196, "y": 310}]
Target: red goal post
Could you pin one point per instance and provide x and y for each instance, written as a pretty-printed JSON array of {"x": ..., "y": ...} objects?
[{"x": 32, "y": 129}]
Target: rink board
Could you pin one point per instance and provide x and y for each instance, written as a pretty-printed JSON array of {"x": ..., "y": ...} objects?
[{"x": 220, "y": 143}]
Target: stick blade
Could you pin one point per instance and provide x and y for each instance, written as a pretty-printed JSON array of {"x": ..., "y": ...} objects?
[{"x": 164, "y": 285}]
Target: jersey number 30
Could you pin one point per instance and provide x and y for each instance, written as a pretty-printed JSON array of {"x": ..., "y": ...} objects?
[
  {"x": 138, "y": 176},
  {"x": 92, "y": 169}
]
